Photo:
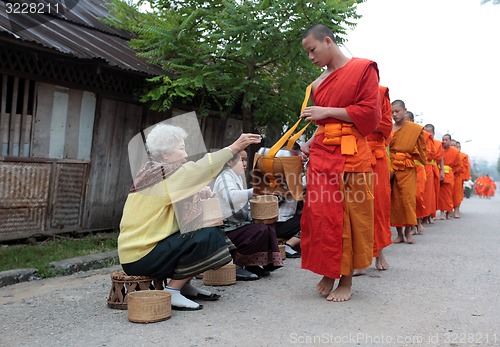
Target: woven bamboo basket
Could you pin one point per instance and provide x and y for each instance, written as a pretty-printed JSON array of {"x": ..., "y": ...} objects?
[
  {"x": 212, "y": 212},
  {"x": 224, "y": 276},
  {"x": 149, "y": 306},
  {"x": 264, "y": 209},
  {"x": 122, "y": 285}
]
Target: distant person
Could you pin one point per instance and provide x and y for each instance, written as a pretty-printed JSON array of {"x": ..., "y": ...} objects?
[
  {"x": 336, "y": 227},
  {"x": 468, "y": 185},
  {"x": 406, "y": 146}
]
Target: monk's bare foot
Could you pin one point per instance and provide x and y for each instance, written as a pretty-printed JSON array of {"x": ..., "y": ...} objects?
[
  {"x": 398, "y": 239},
  {"x": 420, "y": 229},
  {"x": 442, "y": 216},
  {"x": 380, "y": 262},
  {"x": 413, "y": 231},
  {"x": 448, "y": 215},
  {"x": 408, "y": 236},
  {"x": 359, "y": 272},
  {"x": 325, "y": 286},
  {"x": 431, "y": 220},
  {"x": 343, "y": 292}
]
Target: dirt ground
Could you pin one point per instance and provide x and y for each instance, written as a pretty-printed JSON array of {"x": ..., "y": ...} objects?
[{"x": 441, "y": 291}]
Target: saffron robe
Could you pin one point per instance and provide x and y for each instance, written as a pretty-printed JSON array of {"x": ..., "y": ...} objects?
[
  {"x": 328, "y": 243},
  {"x": 452, "y": 163},
  {"x": 406, "y": 146},
  {"x": 458, "y": 186},
  {"x": 421, "y": 209},
  {"x": 438, "y": 147},
  {"x": 432, "y": 177},
  {"x": 382, "y": 236}
]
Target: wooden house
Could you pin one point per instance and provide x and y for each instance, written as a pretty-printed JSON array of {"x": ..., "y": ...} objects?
[{"x": 69, "y": 105}]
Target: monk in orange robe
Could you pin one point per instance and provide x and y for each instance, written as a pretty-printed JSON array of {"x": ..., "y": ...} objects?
[
  {"x": 451, "y": 164},
  {"x": 378, "y": 141},
  {"x": 437, "y": 169},
  {"x": 458, "y": 191},
  {"x": 421, "y": 179},
  {"x": 429, "y": 190},
  {"x": 406, "y": 146},
  {"x": 337, "y": 219}
]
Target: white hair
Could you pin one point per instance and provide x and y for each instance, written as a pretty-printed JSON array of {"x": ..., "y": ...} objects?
[{"x": 163, "y": 138}]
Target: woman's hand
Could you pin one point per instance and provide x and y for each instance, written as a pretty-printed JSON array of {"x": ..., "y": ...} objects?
[
  {"x": 206, "y": 193},
  {"x": 244, "y": 141}
]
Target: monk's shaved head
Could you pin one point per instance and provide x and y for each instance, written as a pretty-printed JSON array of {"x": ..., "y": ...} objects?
[
  {"x": 430, "y": 127},
  {"x": 319, "y": 32},
  {"x": 398, "y": 102},
  {"x": 448, "y": 136},
  {"x": 409, "y": 115}
]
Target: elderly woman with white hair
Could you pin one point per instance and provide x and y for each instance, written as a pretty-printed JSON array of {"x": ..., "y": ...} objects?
[{"x": 150, "y": 242}]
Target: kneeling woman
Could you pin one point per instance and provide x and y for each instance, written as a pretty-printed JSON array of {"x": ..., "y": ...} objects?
[
  {"x": 150, "y": 242},
  {"x": 256, "y": 244}
]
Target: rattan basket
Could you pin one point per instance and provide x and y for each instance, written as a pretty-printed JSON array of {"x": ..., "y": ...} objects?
[
  {"x": 264, "y": 209},
  {"x": 212, "y": 212},
  {"x": 149, "y": 306},
  {"x": 224, "y": 276}
]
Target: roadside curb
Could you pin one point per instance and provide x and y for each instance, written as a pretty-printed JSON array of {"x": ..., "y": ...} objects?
[{"x": 66, "y": 267}]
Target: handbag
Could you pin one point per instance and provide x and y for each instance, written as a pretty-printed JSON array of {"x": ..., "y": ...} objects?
[{"x": 278, "y": 170}]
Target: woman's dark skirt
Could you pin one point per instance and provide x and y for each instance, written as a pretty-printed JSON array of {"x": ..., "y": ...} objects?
[
  {"x": 256, "y": 245},
  {"x": 181, "y": 256}
]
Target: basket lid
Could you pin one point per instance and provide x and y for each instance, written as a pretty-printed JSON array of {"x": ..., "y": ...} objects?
[{"x": 264, "y": 207}]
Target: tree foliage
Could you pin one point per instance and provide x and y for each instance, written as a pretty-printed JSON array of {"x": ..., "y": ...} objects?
[
  {"x": 494, "y": 2},
  {"x": 231, "y": 55}
]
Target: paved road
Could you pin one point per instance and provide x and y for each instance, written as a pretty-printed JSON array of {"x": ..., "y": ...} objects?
[{"x": 441, "y": 291}]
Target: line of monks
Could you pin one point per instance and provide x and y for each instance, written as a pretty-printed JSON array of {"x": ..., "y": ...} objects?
[
  {"x": 485, "y": 187},
  {"x": 417, "y": 176}
]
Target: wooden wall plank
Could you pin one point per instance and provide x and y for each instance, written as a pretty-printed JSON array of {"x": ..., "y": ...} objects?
[
  {"x": 24, "y": 152},
  {"x": 87, "y": 115},
  {"x": 96, "y": 199},
  {"x": 43, "y": 118},
  {"x": 58, "y": 122},
  {"x": 13, "y": 150},
  {"x": 4, "y": 128},
  {"x": 72, "y": 124}
]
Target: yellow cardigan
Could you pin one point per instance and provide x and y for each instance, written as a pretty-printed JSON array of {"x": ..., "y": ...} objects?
[{"x": 148, "y": 215}]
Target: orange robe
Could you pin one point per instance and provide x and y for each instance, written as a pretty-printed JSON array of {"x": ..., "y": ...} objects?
[
  {"x": 451, "y": 163},
  {"x": 478, "y": 186},
  {"x": 421, "y": 209},
  {"x": 429, "y": 190},
  {"x": 458, "y": 185},
  {"x": 382, "y": 236},
  {"x": 436, "y": 169},
  {"x": 406, "y": 146},
  {"x": 337, "y": 219}
]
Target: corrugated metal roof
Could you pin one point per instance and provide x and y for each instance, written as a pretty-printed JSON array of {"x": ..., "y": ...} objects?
[{"x": 77, "y": 32}]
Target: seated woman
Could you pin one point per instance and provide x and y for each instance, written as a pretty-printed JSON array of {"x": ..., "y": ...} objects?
[
  {"x": 288, "y": 225},
  {"x": 256, "y": 244},
  {"x": 166, "y": 194}
]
